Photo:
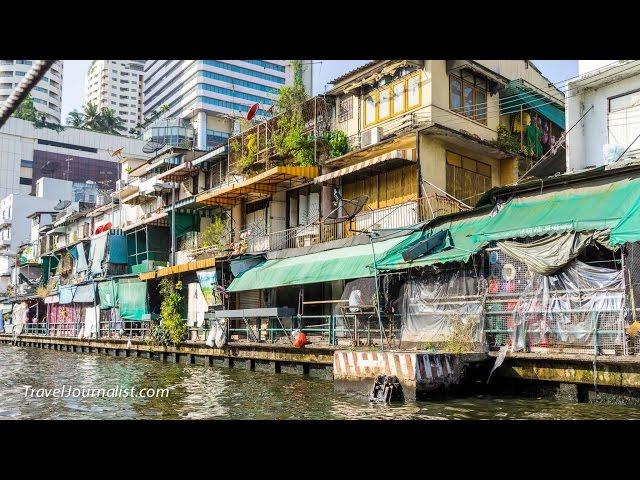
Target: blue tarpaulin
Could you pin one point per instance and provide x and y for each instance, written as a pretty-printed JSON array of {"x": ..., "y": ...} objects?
[
  {"x": 76, "y": 294},
  {"x": 117, "y": 251},
  {"x": 516, "y": 95}
]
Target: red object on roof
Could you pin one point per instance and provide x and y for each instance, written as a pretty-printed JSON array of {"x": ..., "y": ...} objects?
[{"x": 252, "y": 111}]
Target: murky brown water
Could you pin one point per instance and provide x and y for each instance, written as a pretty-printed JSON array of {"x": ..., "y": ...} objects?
[{"x": 198, "y": 392}]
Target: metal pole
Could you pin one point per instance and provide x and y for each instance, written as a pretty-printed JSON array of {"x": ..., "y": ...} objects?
[
  {"x": 173, "y": 226},
  {"x": 375, "y": 272}
]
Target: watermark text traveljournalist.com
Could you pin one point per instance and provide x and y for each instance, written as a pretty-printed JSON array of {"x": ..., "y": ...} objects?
[{"x": 68, "y": 391}]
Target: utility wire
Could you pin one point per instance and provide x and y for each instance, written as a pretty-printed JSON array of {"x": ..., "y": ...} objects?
[
  {"x": 33, "y": 76},
  {"x": 565, "y": 139}
]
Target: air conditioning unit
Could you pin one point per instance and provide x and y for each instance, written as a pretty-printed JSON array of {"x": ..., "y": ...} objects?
[
  {"x": 371, "y": 136},
  {"x": 119, "y": 184}
]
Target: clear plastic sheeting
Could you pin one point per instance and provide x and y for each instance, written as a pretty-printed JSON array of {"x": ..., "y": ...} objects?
[
  {"x": 447, "y": 306},
  {"x": 549, "y": 254},
  {"x": 581, "y": 305}
]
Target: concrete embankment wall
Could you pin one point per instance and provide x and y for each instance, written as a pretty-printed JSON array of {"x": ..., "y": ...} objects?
[{"x": 315, "y": 361}]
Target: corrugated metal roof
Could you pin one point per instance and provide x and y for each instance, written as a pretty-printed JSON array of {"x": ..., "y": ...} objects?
[{"x": 354, "y": 71}]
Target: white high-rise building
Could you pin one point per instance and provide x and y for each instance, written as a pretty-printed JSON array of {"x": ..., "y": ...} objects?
[
  {"x": 47, "y": 94},
  {"x": 208, "y": 94},
  {"x": 117, "y": 85}
]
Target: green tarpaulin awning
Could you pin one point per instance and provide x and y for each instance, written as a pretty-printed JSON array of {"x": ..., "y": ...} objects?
[
  {"x": 132, "y": 298},
  {"x": 464, "y": 245},
  {"x": 108, "y": 293},
  {"x": 628, "y": 228},
  {"x": 598, "y": 206},
  {"x": 337, "y": 264},
  {"x": 516, "y": 94}
]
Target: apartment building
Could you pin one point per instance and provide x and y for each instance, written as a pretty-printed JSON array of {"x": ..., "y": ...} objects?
[
  {"x": 209, "y": 96},
  {"x": 117, "y": 85},
  {"x": 604, "y": 104}
]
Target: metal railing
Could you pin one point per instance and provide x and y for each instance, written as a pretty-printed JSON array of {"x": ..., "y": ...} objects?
[
  {"x": 259, "y": 139},
  {"x": 344, "y": 330},
  {"x": 395, "y": 216}
]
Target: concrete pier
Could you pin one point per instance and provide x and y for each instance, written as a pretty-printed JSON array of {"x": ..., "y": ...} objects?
[{"x": 419, "y": 373}]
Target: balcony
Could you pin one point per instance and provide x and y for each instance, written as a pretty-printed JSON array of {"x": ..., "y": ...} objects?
[
  {"x": 397, "y": 216},
  {"x": 259, "y": 139}
]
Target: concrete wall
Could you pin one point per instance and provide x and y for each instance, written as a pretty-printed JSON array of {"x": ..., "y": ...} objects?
[
  {"x": 19, "y": 138},
  {"x": 433, "y": 162}
]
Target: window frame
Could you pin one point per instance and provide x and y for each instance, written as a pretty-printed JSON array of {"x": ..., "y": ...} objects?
[
  {"x": 475, "y": 88},
  {"x": 460, "y": 158},
  {"x": 389, "y": 88}
]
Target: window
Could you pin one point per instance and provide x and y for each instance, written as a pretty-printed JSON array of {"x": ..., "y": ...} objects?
[
  {"x": 467, "y": 179},
  {"x": 383, "y": 104},
  {"x": 622, "y": 122},
  {"x": 393, "y": 98},
  {"x": 369, "y": 109},
  {"x": 345, "y": 111},
  {"x": 413, "y": 93},
  {"x": 26, "y": 163},
  {"x": 26, "y": 181},
  {"x": 468, "y": 96},
  {"x": 245, "y": 71},
  {"x": 67, "y": 145},
  {"x": 398, "y": 97}
]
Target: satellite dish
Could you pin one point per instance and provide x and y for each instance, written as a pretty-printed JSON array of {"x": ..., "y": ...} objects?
[
  {"x": 350, "y": 208},
  {"x": 252, "y": 111},
  {"x": 152, "y": 147},
  {"x": 62, "y": 204},
  {"x": 49, "y": 167},
  {"x": 118, "y": 152}
]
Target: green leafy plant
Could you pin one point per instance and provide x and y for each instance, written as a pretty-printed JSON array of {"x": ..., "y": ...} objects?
[
  {"x": 507, "y": 141},
  {"x": 27, "y": 111},
  {"x": 336, "y": 143},
  {"x": 172, "y": 327},
  {"x": 289, "y": 139},
  {"x": 249, "y": 156},
  {"x": 215, "y": 234},
  {"x": 104, "y": 120}
]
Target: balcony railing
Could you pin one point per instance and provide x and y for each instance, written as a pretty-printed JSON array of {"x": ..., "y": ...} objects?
[
  {"x": 396, "y": 216},
  {"x": 316, "y": 114}
]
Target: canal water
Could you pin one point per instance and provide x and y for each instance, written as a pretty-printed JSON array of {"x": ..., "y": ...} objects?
[{"x": 198, "y": 392}]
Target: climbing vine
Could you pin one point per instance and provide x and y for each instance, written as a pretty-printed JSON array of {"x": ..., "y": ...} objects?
[
  {"x": 172, "y": 328},
  {"x": 289, "y": 139}
]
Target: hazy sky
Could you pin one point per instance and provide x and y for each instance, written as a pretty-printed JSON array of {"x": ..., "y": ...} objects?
[{"x": 324, "y": 71}]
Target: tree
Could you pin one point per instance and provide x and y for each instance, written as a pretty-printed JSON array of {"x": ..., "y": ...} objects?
[
  {"x": 91, "y": 117},
  {"x": 75, "y": 119},
  {"x": 104, "y": 120},
  {"x": 109, "y": 122},
  {"x": 26, "y": 110},
  {"x": 290, "y": 140}
]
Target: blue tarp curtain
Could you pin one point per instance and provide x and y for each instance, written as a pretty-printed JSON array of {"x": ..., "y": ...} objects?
[
  {"x": 117, "y": 251},
  {"x": 76, "y": 294}
]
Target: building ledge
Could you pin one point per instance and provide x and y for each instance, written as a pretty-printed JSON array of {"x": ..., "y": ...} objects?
[{"x": 258, "y": 186}]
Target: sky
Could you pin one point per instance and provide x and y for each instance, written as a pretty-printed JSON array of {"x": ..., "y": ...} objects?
[{"x": 324, "y": 71}]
